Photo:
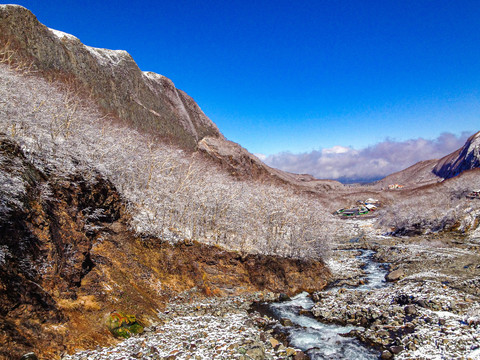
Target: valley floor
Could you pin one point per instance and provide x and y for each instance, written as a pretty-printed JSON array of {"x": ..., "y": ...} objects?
[
  {"x": 432, "y": 311},
  {"x": 213, "y": 328}
]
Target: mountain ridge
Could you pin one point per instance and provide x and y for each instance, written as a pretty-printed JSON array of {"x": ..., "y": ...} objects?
[
  {"x": 148, "y": 101},
  {"x": 465, "y": 158},
  {"x": 436, "y": 170}
]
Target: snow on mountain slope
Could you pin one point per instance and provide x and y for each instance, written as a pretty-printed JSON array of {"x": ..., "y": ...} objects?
[
  {"x": 465, "y": 158},
  {"x": 145, "y": 101}
]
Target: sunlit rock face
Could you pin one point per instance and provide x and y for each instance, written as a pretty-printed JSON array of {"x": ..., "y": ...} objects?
[
  {"x": 465, "y": 158},
  {"x": 146, "y": 100}
]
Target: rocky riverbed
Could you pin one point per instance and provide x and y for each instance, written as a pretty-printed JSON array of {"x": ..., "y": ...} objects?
[
  {"x": 212, "y": 328},
  {"x": 429, "y": 310}
]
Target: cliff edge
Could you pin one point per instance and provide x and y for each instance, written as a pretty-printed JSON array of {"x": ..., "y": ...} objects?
[{"x": 145, "y": 100}]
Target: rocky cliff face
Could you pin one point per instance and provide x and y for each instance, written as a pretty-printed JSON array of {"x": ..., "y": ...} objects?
[
  {"x": 68, "y": 259},
  {"x": 47, "y": 230},
  {"x": 465, "y": 158},
  {"x": 146, "y": 100}
]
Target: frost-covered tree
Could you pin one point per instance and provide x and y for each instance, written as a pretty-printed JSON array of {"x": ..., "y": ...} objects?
[{"x": 171, "y": 194}]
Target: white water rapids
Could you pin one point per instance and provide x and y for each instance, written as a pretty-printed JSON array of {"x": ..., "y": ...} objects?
[{"x": 324, "y": 341}]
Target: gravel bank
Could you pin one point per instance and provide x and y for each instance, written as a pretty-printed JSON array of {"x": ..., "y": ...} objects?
[
  {"x": 214, "y": 328},
  {"x": 431, "y": 311}
]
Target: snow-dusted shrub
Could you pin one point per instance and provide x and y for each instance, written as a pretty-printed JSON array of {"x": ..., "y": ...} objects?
[{"x": 444, "y": 206}]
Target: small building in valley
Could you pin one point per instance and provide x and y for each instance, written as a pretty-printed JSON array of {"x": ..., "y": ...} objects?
[
  {"x": 474, "y": 194},
  {"x": 395, "y": 187}
]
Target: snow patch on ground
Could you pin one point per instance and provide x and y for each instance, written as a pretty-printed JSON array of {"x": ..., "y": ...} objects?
[{"x": 474, "y": 355}]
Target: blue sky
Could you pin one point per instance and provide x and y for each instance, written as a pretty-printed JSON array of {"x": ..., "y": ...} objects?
[{"x": 296, "y": 76}]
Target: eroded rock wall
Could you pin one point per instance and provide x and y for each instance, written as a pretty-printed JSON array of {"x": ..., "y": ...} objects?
[{"x": 68, "y": 258}]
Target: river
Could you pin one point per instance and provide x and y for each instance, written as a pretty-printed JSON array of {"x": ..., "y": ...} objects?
[{"x": 319, "y": 340}]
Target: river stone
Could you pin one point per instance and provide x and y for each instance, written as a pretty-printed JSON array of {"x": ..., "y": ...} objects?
[
  {"x": 291, "y": 351},
  {"x": 256, "y": 352},
  {"x": 396, "y": 349},
  {"x": 395, "y": 275},
  {"x": 300, "y": 355},
  {"x": 286, "y": 322},
  {"x": 274, "y": 342},
  {"x": 410, "y": 310},
  {"x": 422, "y": 303},
  {"x": 283, "y": 297},
  {"x": 386, "y": 355}
]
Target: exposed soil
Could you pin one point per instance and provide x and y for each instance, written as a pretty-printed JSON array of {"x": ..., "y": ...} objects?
[{"x": 69, "y": 259}]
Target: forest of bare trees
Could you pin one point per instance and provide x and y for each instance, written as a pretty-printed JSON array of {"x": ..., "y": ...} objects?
[
  {"x": 442, "y": 207},
  {"x": 171, "y": 194},
  {"x": 176, "y": 195}
]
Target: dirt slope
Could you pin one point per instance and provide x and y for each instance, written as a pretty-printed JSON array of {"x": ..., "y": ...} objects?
[{"x": 67, "y": 259}]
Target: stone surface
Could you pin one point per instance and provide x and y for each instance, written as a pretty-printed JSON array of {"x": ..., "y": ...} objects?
[
  {"x": 291, "y": 351},
  {"x": 300, "y": 355},
  {"x": 386, "y": 355},
  {"x": 395, "y": 275},
  {"x": 410, "y": 310},
  {"x": 274, "y": 342},
  {"x": 396, "y": 349}
]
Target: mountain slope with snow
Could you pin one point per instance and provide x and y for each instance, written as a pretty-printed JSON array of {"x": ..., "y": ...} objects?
[
  {"x": 147, "y": 101},
  {"x": 465, "y": 158}
]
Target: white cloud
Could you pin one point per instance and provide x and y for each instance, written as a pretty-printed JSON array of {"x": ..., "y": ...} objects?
[
  {"x": 373, "y": 162},
  {"x": 336, "y": 150}
]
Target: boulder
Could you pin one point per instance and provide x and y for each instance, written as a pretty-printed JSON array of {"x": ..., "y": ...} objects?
[
  {"x": 286, "y": 322},
  {"x": 396, "y": 349},
  {"x": 422, "y": 303},
  {"x": 386, "y": 355},
  {"x": 291, "y": 351},
  {"x": 274, "y": 342},
  {"x": 300, "y": 355},
  {"x": 410, "y": 310},
  {"x": 395, "y": 275},
  {"x": 256, "y": 352}
]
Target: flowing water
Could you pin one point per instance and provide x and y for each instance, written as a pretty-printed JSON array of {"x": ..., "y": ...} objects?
[{"x": 325, "y": 341}]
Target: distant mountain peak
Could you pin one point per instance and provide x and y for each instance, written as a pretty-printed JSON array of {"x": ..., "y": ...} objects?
[{"x": 465, "y": 158}]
